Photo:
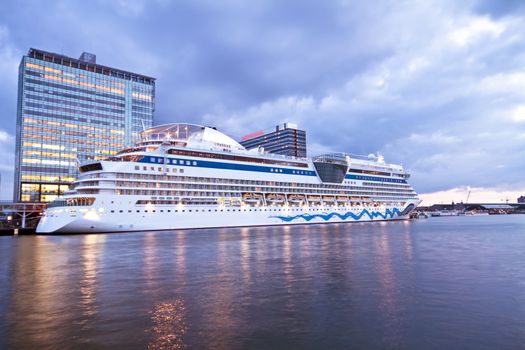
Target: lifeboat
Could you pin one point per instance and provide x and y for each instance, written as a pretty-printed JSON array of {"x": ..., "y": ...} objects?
[
  {"x": 342, "y": 199},
  {"x": 328, "y": 199},
  {"x": 314, "y": 199},
  {"x": 296, "y": 198},
  {"x": 252, "y": 198},
  {"x": 275, "y": 198},
  {"x": 235, "y": 202}
]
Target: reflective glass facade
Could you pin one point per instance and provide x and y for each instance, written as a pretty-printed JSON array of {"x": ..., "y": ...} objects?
[
  {"x": 70, "y": 111},
  {"x": 286, "y": 139}
]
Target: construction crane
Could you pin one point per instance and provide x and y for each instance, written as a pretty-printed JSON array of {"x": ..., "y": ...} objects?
[{"x": 468, "y": 194}]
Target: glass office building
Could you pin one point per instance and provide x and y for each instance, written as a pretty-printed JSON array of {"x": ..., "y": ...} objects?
[
  {"x": 286, "y": 139},
  {"x": 69, "y": 111}
]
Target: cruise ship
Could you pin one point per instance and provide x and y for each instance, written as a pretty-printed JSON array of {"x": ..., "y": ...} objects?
[{"x": 186, "y": 176}]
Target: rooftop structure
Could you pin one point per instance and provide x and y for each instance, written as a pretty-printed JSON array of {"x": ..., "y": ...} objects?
[
  {"x": 286, "y": 139},
  {"x": 192, "y": 135}
]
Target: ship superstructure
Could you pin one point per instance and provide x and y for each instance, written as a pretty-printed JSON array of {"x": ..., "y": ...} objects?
[{"x": 183, "y": 176}]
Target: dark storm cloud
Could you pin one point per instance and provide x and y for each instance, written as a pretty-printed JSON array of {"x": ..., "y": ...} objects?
[
  {"x": 436, "y": 85},
  {"x": 499, "y": 8}
]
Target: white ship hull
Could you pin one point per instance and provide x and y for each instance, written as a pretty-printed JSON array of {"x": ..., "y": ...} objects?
[{"x": 102, "y": 219}]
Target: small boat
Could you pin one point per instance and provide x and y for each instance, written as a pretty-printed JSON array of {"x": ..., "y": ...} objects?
[
  {"x": 419, "y": 215},
  {"x": 476, "y": 213},
  {"x": 444, "y": 213}
]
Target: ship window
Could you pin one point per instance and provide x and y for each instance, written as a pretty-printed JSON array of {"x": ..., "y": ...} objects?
[
  {"x": 137, "y": 167},
  {"x": 112, "y": 211},
  {"x": 90, "y": 167}
]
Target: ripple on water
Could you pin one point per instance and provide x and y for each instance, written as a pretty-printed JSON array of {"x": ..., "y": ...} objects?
[{"x": 450, "y": 283}]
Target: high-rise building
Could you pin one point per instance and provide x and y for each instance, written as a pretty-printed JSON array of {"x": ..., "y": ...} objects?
[
  {"x": 286, "y": 139},
  {"x": 71, "y": 110}
]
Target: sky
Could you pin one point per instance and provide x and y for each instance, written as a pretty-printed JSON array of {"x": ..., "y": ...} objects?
[{"x": 438, "y": 86}]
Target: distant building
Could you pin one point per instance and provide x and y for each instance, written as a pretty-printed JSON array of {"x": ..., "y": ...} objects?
[
  {"x": 521, "y": 199},
  {"x": 286, "y": 139},
  {"x": 71, "y": 110}
]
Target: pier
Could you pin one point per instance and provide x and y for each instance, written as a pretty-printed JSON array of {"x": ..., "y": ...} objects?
[
  {"x": 473, "y": 208},
  {"x": 19, "y": 218}
]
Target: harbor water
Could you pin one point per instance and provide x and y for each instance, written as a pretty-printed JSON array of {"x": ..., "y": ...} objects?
[{"x": 439, "y": 283}]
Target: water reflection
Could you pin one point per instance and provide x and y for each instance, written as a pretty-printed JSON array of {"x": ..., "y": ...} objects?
[
  {"x": 367, "y": 286},
  {"x": 287, "y": 257},
  {"x": 180, "y": 255},
  {"x": 169, "y": 326},
  {"x": 407, "y": 239},
  {"x": 150, "y": 264},
  {"x": 245, "y": 253},
  {"x": 388, "y": 288},
  {"x": 40, "y": 293},
  {"x": 92, "y": 248}
]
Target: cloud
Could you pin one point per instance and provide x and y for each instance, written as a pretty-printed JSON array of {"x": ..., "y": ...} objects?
[
  {"x": 7, "y": 161},
  {"x": 435, "y": 85},
  {"x": 477, "y": 28},
  {"x": 500, "y": 8}
]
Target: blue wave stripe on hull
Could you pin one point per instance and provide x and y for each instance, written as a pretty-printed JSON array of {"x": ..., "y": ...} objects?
[{"x": 372, "y": 215}]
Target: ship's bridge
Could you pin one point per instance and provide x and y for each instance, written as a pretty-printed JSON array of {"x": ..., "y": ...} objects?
[
  {"x": 189, "y": 135},
  {"x": 332, "y": 167}
]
